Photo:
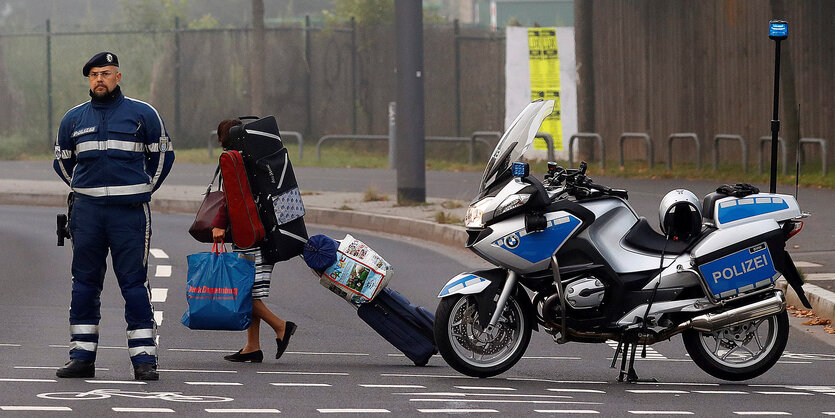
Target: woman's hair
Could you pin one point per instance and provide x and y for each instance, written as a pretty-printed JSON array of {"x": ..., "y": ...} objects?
[{"x": 223, "y": 131}]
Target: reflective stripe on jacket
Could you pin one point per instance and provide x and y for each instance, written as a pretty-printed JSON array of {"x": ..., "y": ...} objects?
[{"x": 117, "y": 152}]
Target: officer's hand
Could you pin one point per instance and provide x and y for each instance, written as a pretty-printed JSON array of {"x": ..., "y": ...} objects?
[{"x": 217, "y": 234}]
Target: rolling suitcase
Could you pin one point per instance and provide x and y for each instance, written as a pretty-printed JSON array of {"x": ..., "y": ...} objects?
[
  {"x": 247, "y": 229},
  {"x": 407, "y": 327}
]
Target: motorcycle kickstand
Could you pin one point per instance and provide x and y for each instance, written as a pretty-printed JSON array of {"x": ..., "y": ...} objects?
[{"x": 630, "y": 375}]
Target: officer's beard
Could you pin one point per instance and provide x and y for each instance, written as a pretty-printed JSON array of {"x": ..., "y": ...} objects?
[
  {"x": 101, "y": 93},
  {"x": 106, "y": 95}
]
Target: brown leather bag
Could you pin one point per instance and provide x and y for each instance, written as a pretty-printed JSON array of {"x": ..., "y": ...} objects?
[{"x": 201, "y": 228}]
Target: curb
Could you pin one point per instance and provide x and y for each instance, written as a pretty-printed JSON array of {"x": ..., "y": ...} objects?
[{"x": 822, "y": 300}]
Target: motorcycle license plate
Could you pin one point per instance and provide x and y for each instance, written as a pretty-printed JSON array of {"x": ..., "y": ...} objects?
[{"x": 743, "y": 271}]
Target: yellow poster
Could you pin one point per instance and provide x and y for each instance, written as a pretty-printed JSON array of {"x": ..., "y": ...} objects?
[{"x": 545, "y": 80}]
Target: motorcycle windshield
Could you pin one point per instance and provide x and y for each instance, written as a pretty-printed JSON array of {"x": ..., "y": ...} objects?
[{"x": 515, "y": 141}]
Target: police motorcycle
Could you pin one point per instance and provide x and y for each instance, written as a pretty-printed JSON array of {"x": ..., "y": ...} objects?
[{"x": 574, "y": 260}]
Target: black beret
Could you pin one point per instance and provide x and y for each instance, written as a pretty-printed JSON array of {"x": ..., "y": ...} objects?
[{"x": 102, "y": 59}]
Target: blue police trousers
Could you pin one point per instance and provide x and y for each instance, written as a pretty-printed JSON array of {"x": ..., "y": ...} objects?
[{"x": 125, "y": 230}]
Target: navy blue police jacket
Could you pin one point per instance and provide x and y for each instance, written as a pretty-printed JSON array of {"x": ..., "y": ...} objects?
[{"x": 115, "y": 151}]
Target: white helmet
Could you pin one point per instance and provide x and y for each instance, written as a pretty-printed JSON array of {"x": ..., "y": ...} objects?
[{"x": 680, "y": 214}]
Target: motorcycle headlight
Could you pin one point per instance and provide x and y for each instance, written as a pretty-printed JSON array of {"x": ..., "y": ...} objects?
[
  {"x": 475, "y": 213},
  {"x": 512, "y": 202}
]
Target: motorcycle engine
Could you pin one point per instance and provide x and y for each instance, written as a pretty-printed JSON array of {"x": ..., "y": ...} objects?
[{"x": 585, "y": 293}]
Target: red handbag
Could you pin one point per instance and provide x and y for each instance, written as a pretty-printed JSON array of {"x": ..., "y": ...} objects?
[{"x": 201, "y": 228}]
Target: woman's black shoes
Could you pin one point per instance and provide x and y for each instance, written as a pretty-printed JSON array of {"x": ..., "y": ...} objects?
[
  {"x": 282, "y": 343},
  {"x": 254, "y": 357}
]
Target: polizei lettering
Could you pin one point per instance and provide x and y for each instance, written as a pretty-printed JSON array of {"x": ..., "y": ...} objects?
[{"x": 746, "y": 266}]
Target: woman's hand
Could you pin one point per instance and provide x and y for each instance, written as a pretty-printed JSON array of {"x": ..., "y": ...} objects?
[{"x": 217, "y": 234}]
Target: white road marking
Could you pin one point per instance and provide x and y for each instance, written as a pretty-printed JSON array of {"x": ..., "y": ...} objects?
[
  {"x": 656, "y": 391},
  {"x": 157, "y": 253},
  {"x": 117, "y": 382},
  {"x": 528, "y": 379},
  {"x": 53, "y": 368},
  {"x": 163, "y": 271},
  {"x": 785, "y": 393},
  {"x": 242, "y": 411},
  {"x": 214, "y": 383},
  {"x": 761, "y": 413},
  {"x": 9, "y": 345},
  {"x": 34, "y": 408},
  {"x": 505, "y": 401},
  {"x": 806, "y": 264},
  {"x": 721, "y": 392},
  {"x": 677, "y": 383},
  {"x": 309, "y": 373},
  {"x": 196, "y": 371},
  {"x": 199, "y": 350},
  {"x": 394, "y": 386},
  {"x": 550, "y": 358},
  {"x": 312, "y": 353},
  {"x": 818, "y": 276},
  {"x": 158, "y": 317},
  {"x": 426, "y": 375},
  {"x": 147, "y": 410},
  {"x": 301, "y": 384},
  {"x": 652, "y": 354},
  {"x": 566, "y": 411},
  {"x": 457, "y": 411},
  {"x": 483, "y": 388},
  {"x": 576, "y": 390},
  {"x": 661, "y": 412},
  {"x": 506, "y": 395},
  {"x": 828, "y": 413},
  {"x": 793, "y": 362},
  {"x": 29, "y": 380},
  {"x": 353, "y": 411},
  {"x": 159, "y": 295}
]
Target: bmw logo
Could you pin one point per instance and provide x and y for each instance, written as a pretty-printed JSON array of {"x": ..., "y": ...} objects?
[{"x": 511, "y": 241}]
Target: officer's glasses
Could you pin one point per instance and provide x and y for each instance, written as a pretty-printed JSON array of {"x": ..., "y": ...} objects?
[{"x": 104, "y": 74}]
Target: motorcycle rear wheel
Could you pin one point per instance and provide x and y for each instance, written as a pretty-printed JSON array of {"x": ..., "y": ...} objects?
[
  {"x": 465, "y": 345},
  {"x": 740, "y": 352}
]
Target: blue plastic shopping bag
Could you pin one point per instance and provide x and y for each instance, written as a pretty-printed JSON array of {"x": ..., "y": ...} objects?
[{"x": 219, "y": 292}]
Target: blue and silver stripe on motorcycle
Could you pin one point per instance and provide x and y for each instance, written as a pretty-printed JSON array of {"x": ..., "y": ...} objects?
[
  {"x": 736, "y": 209},
  {"x": 468, "y": 281},
  {"x": 537, "y": 246}
]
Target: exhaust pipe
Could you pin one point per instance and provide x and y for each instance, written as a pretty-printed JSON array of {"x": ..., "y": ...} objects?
[{"x": 714, "y": 321}]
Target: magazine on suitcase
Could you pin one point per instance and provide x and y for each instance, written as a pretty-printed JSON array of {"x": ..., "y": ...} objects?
[
  {"x": 408, "y": 327},
  {"x": 274, "y": 186}
]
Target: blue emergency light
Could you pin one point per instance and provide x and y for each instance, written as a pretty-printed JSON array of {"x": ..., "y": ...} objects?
[
  {"x": 778, "y": 30},
  {"x": 520, "y": 169}
]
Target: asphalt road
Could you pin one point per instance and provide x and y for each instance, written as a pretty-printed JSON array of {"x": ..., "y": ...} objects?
[{"x": 335, "y": 363}]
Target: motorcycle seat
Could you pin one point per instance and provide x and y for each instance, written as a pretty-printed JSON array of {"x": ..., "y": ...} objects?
[{"x": 643, "y": 238}]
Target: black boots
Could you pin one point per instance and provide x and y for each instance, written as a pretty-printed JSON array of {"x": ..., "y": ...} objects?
[
  {"x": 145, "y": 371},
  {"x": 87, "y": 369},
  {"x": 77, "y": 368},
  {"x": 254, "y": 356}
]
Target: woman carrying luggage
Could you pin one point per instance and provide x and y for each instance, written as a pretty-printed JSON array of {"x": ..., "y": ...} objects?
[{"x": 260, "y": 288}]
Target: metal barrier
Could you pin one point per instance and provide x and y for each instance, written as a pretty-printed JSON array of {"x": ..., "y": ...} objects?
[
  {"x": 824, "y": 154},
  {"x": 643, "y": 136},
  {"x": 742, "y": 145},
  {"x": 282, "y": 134},
  {"x": 481, "y": 134},
  {"x": 549, "y": 142},
  {"x": 472, "y": 140},
  {"x": 587, "y": 135},
  {"x": 688, "y": 135},
  {"x": 781, "y": 143}
]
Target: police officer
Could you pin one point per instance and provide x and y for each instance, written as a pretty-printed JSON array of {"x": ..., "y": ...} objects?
[{"x": 113, "y": 151}]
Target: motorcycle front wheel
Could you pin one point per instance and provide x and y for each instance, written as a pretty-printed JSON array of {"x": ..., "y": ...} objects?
[
  {"x": 740, "y": 352},
  {"x": 468, "y": 348}
]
